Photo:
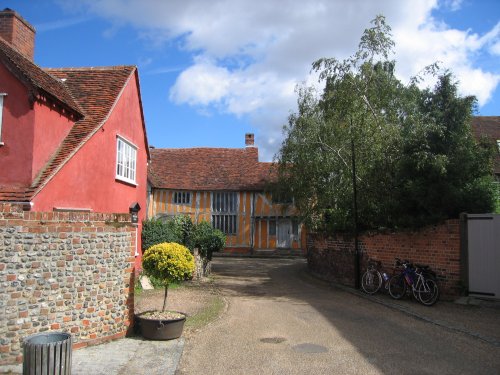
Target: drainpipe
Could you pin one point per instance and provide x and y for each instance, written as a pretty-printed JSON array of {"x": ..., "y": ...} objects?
[
  {"x": 252, "y": 223},
  {"x": 136, "y": 240}
]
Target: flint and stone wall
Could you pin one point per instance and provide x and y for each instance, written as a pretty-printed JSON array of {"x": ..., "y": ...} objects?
[
  {"x": 62, "y": 271},
  {"x": 332, "y": 256}
]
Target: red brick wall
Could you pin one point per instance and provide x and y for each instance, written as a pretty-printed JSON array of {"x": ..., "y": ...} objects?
[
  {"x": 62, "y": 271},
  {"x": 18, "y": 32},
  {"x": 332, "y": 257}
]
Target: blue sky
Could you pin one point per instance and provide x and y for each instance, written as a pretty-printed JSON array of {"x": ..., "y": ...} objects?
[{"x": 212, "y": 71}]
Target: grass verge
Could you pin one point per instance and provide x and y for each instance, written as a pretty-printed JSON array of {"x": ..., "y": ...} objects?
[{"x": 208, "y": 314}]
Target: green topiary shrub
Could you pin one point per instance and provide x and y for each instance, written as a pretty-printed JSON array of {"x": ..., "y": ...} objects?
[
  {"x": 207, "y": 239},
  {"x": 168, "y": 262}
]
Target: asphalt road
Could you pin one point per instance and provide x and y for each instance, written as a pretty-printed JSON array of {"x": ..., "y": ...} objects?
[{"x": 280, "y": 321}]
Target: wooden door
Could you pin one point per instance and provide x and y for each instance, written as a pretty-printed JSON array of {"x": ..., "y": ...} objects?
[{"x": 284, "y": 234}]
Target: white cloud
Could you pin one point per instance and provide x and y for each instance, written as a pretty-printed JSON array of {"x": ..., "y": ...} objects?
[
  {"x": 248, "y": 55},
  {"x": 202, "y": 84},
  {"x": 453, "y": 5},
  {"x": 495, "y": 48},
  {"x": 60, "y": 24}
]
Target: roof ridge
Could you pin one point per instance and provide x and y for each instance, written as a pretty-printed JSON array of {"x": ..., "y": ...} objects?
[
  {"x": 197, "y": 148},
  {"x": 86, "y": 68},
  {"x": 39, "y": 85}
]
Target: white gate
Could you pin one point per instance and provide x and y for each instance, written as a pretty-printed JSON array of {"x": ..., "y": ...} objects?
[{"x": 483, "y": 243}]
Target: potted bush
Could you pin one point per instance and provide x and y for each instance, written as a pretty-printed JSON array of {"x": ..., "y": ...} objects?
[{"x": 167, "y": 262}]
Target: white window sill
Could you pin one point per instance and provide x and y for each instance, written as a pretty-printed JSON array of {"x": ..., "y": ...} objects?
[{"x": 126, "y": 181}]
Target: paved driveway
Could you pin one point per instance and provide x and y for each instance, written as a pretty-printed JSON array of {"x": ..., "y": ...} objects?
[{"x": 280, "y": 321}]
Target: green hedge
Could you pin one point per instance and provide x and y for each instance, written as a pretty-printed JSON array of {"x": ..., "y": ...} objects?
[
  {"x": 180, "y": 229},
  {"x": 155, "y": 231}
]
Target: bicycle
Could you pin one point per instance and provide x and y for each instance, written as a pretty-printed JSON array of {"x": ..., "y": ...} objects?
[
  {"x": 421, "y": 279},
  {"x": 372, "y": 279}
]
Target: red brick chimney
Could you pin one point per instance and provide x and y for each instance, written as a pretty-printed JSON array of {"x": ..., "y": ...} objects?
[
  {"x": 249, "y": 140},
  {"x": 18, "y": 32}
]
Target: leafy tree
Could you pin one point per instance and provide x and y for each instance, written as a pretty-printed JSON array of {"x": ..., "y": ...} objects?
[
  {"x": 442, "y": 171},
  {"x": 368, "y": 129}
]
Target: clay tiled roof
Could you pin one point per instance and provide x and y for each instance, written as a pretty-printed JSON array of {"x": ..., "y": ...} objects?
[
  {"x": 488, "y": 126},
  {"x": 12, "y": 194},
  {"x": 208, "y": 169},
  {"x": 90, "y": 93},
  {"x": 40, "y": 82}
]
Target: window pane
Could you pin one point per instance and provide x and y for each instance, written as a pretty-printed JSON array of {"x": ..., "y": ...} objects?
[{"x": 126, "y": 156}]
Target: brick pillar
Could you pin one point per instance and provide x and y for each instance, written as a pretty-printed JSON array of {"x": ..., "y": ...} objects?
[{"x": 18, "y": 32}]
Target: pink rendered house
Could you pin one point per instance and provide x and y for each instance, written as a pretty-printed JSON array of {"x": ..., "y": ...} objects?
[{"x": 71, "y": 139}]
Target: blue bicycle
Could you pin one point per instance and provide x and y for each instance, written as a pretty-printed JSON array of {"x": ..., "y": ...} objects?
[{"x": 418, "y": 279}]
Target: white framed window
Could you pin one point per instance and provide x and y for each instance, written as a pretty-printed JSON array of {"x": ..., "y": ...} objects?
[
  {"x": 498, "y": 140},
  {"x": 126, "y": 160},
  {"x": 2, "y": 95},
  {"x": 225, "y": 211},
  {"x": 182, "y": 197}
]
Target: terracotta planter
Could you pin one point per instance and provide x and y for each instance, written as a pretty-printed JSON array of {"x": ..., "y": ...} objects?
[{"x": 161, "y": 329}]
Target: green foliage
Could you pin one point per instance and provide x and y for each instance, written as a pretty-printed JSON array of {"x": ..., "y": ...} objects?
[
  {"x": 415, "y": 158},
  {"x": 180, "y": 229},
  {"x": 442, "y": 170},
  {"x": 155, "y": 231},
  {"x": 168, "y": 263},
  {"x": 184, "y": 227},
  {"x": 207, "y": 239},
  {"x": 496, "y": 188}
]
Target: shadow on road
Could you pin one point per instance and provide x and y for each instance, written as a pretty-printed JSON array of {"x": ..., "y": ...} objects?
[{"x": 389, "y": 340}]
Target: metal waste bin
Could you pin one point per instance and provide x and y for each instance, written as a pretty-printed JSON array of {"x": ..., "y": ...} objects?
[{"x": 47, "y": 353}]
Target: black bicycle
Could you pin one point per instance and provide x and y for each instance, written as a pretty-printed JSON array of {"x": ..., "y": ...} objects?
[{"x": 373, "y": 278}]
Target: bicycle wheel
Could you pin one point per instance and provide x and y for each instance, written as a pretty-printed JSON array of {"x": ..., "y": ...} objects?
[
  {"x": 397, "y": 286},
  {"x": 428, "y": 292},
  {"x": 371, "y": 281}
]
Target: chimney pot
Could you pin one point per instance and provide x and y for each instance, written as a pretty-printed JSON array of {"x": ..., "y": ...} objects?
[
  {"x": 249, "y": 140},
  {"x": 18, "y": 32}
]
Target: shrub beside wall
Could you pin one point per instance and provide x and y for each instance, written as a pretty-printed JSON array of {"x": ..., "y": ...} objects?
[
  {"x": 332, "y": 257},
  {"x": 70, "y": 272}
]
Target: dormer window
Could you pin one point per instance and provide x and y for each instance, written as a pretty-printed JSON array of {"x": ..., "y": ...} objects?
[
  {"x": 126, "y": 160},
  {"x": 2, "y": 95}
]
